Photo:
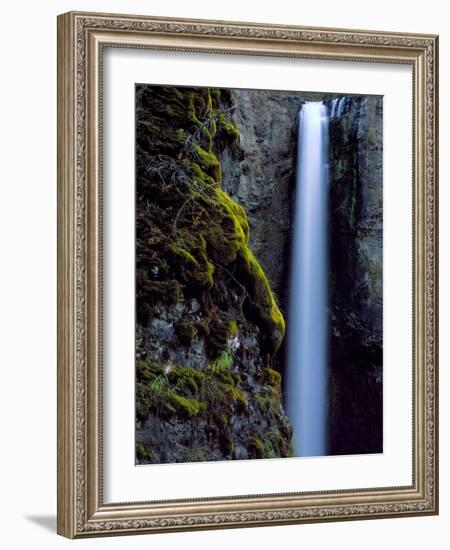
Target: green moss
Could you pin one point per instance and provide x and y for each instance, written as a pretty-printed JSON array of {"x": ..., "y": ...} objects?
[
  {"x": 236, "y": 213},
  {"x": 142, "y": 453},
  {"x": 224, "y": 377},
  {"x": 185, "y": 332},
  {"x": 168, "y": 390},
  {"x": 213, "y": 394},
  {"x": 273, "y": 378},
  {"x": 233, "y": 326},
  {"x": 186, "y": 379},
  {"x": 226, "y": 237},
  {"x": 218, "y": 424},
  {"x": 276, "y": 445},
  {"x": 208, "y": 162},
  {"x": 158, "y": 384},
  {"x": 143, "y": 401},
  {"x": 224, "y": 330},
  {"x": 268, "y": 450},
  {"x": 236, "y": 377},
  {"x": 201, "y": 176},
  {"x": 153, "y": 291},
  {"x": 181, "y": 135},
  {"x": 262, "y": 302},
  {"x": 214, "y": 93},
  {"x": 185, "y": 406},
  {"x": 271, "y": 391},
  {"x": 269, "y": 397},
  {"x": 150, "y": 384},
  {"x": 223, "y": 395},
  {"x": 220, "y": 331},
  {"x": 223, "y": 362},
  {"x": 236, "y": 395},
  {"x": 228, "y": 128},
  {"x": 184, "y": 256},
  {"x": 255, "y": 447},
  {"x": 192, "y": 241},
  {"x": 196, "y": 454},
  {"x": 262, "y": 403},
  {"x": 227, "y": 231},
  {"x": 192, "y": 106},
  {"x": 222, "y": 421},
  {"x": 267, "y": 403},
  {"x": 196, "y": 272},
  {"x": 144, "y": 371},
  {"x": 270, "y": 445},
  {"x": 149, "y": 368}
]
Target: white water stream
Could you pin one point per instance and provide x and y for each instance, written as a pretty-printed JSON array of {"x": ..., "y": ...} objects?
[{"x": 307, "y": 326}]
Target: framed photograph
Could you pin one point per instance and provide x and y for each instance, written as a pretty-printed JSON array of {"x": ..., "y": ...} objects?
[{"x": 247, "y": 276}]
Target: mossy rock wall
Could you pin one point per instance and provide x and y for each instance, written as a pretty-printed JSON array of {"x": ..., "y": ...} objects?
[{"x": 208, "y": 324}]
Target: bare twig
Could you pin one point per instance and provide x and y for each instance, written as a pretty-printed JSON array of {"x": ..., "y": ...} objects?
[
  {"x": 180, "y": 211},
  {"x": 228, "y": 272}
]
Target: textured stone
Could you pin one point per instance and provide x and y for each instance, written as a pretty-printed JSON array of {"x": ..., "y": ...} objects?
[
  {"x": 261, "y": 177},
  {"x": 205, "y": 338},
  {"x": 356, "y": 277}
]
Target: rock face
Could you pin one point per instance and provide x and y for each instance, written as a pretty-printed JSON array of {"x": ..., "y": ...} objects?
[
  {"x": 356, "y": 262},
  {"x": 208, "y": 325},
  {"x": 260, "y": 176}
]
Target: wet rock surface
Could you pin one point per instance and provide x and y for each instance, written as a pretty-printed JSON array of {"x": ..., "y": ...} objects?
[
  {"x": 261, "y": 177},
  {"x": 356, "y": 278}
]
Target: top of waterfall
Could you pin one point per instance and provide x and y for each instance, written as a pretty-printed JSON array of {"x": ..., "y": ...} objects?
[{"x": 313, "y": 106}]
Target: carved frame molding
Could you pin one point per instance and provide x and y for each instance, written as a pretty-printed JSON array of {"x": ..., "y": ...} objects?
[{"x": 81, "y": 38}]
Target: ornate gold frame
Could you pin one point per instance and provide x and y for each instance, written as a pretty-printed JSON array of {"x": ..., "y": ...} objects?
[{"x": 81, "y": 37}]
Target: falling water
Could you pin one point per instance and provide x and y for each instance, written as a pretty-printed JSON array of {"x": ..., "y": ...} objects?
[
  {"x": 338, "y": 106},
  {"x": 341, "y": 105},
  {"x": 306, "y": 395},
  {"x": 334, "y": 103}
]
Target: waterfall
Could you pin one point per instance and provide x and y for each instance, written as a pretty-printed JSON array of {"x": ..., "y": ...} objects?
[
  {"x": 334, "y": 103},
  {"x": 337, "y": 107},
  {"x": 307, "y": 330},
  {"x": 341, "y": 105}
]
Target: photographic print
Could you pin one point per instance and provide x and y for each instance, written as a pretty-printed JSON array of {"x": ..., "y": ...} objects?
[
  {"x": 247, "y": 276},
  {"x": 259, "y": 289}
]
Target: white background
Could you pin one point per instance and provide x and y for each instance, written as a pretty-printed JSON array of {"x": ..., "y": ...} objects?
[
  {"x": 123, "y": 482},
  {"x": 28, "y": 274}
]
